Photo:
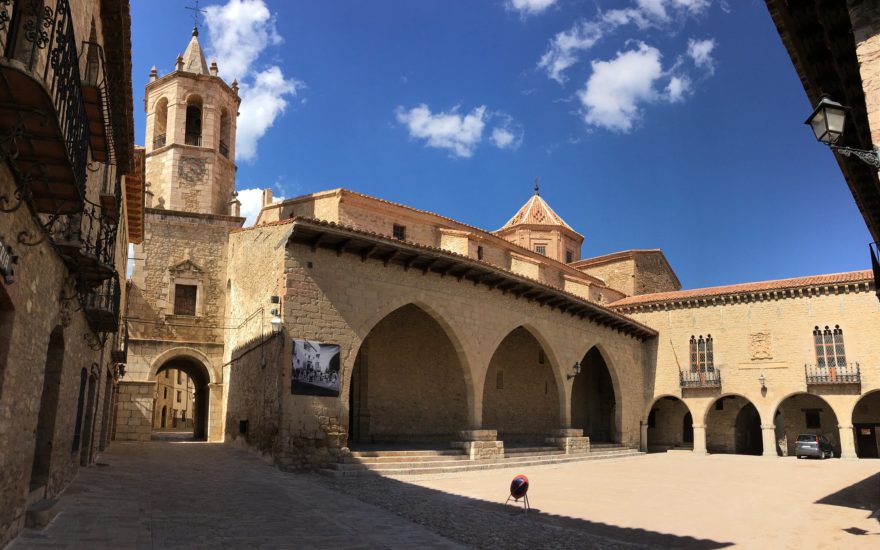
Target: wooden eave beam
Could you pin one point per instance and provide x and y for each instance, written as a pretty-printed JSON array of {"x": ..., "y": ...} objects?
[
  {"x": 316, "y": 241},
  {"x": 340, "y": 247},
  {"x": 368, "y": 252},
  {"x": 387, "y": 259}
]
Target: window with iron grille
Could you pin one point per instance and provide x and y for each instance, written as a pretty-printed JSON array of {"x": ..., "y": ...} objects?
[
  {"x": 541, "y": 249},
  {"x": 399, "y": 232},
  {"x": 829, "y": 347},
  {"x": 702, "y": 354},
  {"x": 185, "y": 299}
]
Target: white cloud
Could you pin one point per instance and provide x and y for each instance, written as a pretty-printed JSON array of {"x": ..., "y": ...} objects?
[
  {"x": 239, "y": 31},
  {"x": 251, "y": 204},
  {"x": 701, "y": 52},
  {"x": 677, "y": 88},
  {"x": 529, "y": 7},
  {"x": 566, "y": 46},
  {"x": 507, "y": 133},
  {"x": 445, "y": 130},
  {"x": 617, "y": 87}
]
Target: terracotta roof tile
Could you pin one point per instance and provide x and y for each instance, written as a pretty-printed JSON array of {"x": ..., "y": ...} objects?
[{"x": 747, "y": 288}]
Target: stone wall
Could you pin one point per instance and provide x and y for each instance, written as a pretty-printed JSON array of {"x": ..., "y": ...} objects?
[
  {"x": 341, "y": 299},
  {"x": 668, "y": 430}
]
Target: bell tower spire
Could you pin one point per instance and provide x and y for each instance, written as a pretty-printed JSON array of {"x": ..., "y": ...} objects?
[{"x": 190, "y": 142}]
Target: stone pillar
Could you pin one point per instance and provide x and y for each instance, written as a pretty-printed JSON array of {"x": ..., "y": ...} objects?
[
  {"x": 768, "y": 436},
  {"x": 480, "y": 444},
  {"x": 215, "y": 414},
  {"x": 570, "y": 440},
  {"x": 134, "y": 416},
  {"x": 847, "y": 442},
  {"x": 699, "y": 439},
  {"x": 643, "y": 436}
]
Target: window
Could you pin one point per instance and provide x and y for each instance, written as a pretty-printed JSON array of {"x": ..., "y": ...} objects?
[
  {"x": 178, "y": 395},
  {"x": 479, "y": 252},
  {"x": 399, "y": 232},
  {"x": 541, "y": 249},
  {"x": 811, "y": 417},
  {"x": 165, "y": 396},
  {"x": 193, "y": 128},
  {"x": 179, "y": 377},
  {"x": 702, "y": 355},
  {"x": 569, "y": 256},
  {"x": 185, "y": 299},
  {"x": 167, "y": 374},
  {"x": 829, "y": 347}
]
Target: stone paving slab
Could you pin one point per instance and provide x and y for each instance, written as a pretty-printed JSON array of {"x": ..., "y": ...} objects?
[{"x": 155, "y": 495}]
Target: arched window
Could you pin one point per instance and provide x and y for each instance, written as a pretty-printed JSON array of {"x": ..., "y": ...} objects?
[
  {"x": 702, "y": 354},
  {"x": 193, "y": 134},
  {"x": 829, "y": 347},
  {"x": 160, "y": 123},
  {"x": 224, "y": 133}
]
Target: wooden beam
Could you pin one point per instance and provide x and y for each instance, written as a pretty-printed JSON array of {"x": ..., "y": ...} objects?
[
  {"x": 407, "y": 264},
  {"x": 340, "y": 248},
  {"x": 427, "y": 267},
  {"x": 368, "y": 252},
  {"x": 446, "y": 270},
  {"x": 390, "y": 257},
  {"x": 316, "y": 241}
]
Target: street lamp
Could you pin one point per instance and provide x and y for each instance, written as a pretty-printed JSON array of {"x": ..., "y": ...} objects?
[
  {"x": 763, "y": 381},
  {"x": 276, "y": 322},
  {"x": 828, "y": 121}
]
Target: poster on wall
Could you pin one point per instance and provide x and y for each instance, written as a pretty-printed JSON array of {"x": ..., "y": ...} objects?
[{"x": 315, "y": 369}]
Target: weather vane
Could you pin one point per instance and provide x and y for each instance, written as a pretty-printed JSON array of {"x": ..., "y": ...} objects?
[{"x": 196, "y": 11}]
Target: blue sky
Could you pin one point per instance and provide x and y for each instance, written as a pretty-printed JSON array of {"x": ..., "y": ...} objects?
[{"x": 672, "y": 124}]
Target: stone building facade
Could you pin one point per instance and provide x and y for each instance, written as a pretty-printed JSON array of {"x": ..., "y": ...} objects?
[{"x": 71, "y": 202}]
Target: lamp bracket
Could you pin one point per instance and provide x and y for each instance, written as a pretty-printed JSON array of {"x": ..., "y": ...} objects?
[{"x": 871, "y": 157}]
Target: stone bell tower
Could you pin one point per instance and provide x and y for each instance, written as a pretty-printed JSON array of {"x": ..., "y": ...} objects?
[{"x": 190, "y": 141}]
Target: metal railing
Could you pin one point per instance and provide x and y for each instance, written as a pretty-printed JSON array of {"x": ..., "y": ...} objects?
[
  {"x": 41, "y": 39},
  {"x": 224, "y": 149},
  {"x": 159, "y": 141},
  {"x": 847, "y": 373},
  {"x": 193, "y": 139},
  {"x": 101, "y": 306},
  {"x": 94, "y": 74},
  {"x": 700, "y": 379}
]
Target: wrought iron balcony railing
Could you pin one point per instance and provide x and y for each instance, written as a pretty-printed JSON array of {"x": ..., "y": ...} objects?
[
  {"x": 44, "y": 130},
  {"x": 847, "y": 373},
  {"x": 86, "y": 242},
  {"x": 224, "y": 149},
  {"x": 101, "y": 305},
  {"x": 119, "y": 350},
  {"x": 700, "y": 379},
  {"x": 193, "y": 139},
  {"x": 96, "y": 99},
  {"x": 159, "y": 141}
]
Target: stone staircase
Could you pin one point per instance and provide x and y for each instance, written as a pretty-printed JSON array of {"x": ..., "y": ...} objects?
[{"x": 394, "y": 463}]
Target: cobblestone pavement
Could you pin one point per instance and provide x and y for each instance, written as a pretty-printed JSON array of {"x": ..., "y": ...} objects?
[
  {"x": 674, "y": 500},
  {"x": 199, "y": 495}
]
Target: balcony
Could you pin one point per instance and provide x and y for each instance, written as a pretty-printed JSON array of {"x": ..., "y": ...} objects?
[
  {"x": 824, "y": 375},
  {"x": 101, "y": 306},
  {"x": 119, "y": 348},
  {"x": 700, "y": 379},
  {"x": 96, "y": 100},
  {"x": 193, "y": 139},
  {"x": 86, "y": 242},
  {"x": 224, "y": 149},
  {"x": 44, "y": 130}
]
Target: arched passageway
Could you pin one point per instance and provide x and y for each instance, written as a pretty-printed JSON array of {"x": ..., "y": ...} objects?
[
  {"x": 733, "y": 425},
  {"x": 592, "y": 400},
  {"x": 866, "y": 424},
  {"x": 520, "y": 396},
  {"x": 408, "y": 384},
  {"x": 803, "y": 413},
  {"x": 45, "y": 434},
  {"x": 181, "y": 402},
  {"x": 670, "y": 425}
]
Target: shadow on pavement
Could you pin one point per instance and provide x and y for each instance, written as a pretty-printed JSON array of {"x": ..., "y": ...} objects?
[
  {"x": 479, "y": 523},
  {"x": 864, "y": 495}
]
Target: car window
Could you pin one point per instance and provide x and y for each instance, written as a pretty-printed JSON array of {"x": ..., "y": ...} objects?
[{"x": 807, "y": 437}]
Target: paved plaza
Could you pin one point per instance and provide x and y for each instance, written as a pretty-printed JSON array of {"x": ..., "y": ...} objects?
[{"x": 198, "y": 495}]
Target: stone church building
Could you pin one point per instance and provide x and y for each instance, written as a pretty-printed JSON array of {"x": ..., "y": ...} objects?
[{"x": 456, "y": 337}]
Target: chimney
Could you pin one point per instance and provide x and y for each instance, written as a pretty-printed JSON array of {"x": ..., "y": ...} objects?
[{"x": 267, "y": 197}]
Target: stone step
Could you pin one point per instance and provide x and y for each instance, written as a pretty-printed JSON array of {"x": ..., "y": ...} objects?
[
  {"x": 408, "y": 453},
  {"x": 390, "y": 459},
  {"x": 411, "y": 469},
  {"x": 41, "y": 513},
  {"x": 36, "y": 494},
  {"x": 531, "y": 450}
]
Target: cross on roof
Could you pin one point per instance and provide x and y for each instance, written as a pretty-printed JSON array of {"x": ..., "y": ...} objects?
[{"x": 196, "y": 11}]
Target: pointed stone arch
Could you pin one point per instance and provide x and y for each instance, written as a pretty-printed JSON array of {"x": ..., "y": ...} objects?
[
  {"x": 591, "y": 400},
  {"x": 408, "y": 379}
]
